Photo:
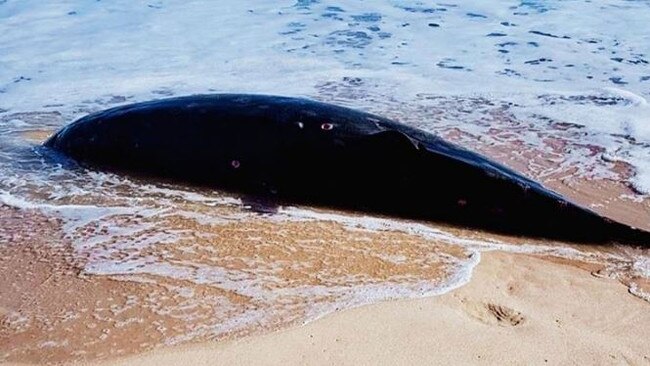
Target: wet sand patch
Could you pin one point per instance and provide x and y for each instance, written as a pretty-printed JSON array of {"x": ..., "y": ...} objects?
[{"x": 54, "y": 310}]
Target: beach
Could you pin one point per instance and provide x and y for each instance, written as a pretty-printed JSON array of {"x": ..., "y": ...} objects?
[
  {"x": 314, "y": 286},
  {"x": 517, "y": 309},
  {"x": 104, "y": 267},
  {"x": 522, "y": 304}
]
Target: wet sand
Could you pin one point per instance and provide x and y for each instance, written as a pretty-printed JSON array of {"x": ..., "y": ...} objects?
[
  {"x": 518, "y": 309},
  {"x": 55, "y": 311}
]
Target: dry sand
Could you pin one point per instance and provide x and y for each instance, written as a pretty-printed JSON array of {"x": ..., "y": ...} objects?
[{"x": 517, "y": 309}]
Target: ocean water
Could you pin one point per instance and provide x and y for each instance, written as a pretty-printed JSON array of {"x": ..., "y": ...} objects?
[{"x": 561, "y": 85}]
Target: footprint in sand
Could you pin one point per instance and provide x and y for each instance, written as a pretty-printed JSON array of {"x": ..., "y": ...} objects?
[
  {"x": 505, "y": 315},
  {"x": 490, "y": 313}
]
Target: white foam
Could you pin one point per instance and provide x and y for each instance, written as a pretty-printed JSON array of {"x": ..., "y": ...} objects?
[
  {"x": 638, "y": 292},
  {"x": 125, "y": 48},
  {"x": 80, "y": 214},
  {"x": 76, "y": 56},
  {"x": 642, "y": 266}
]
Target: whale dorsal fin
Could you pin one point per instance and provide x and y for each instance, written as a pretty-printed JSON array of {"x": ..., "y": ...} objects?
[{"x": 394, "y": 140}]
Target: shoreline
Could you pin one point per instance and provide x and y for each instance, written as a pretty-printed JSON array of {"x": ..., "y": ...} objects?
[
  {"x": 105, "y": 326},
  {"x": 509, "y": 295},
  {"x": 105, "y": 267},
  {"x": 516, "y": 309}
]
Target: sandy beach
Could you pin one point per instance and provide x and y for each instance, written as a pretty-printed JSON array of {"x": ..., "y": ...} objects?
[
  {"x": 532, "y": 302},
  {"x": 517, "y": 309},
  {"x": 112, "y": 268}
]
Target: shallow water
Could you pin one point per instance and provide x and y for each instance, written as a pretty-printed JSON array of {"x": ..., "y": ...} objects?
[{"x": 553, "y": 89}]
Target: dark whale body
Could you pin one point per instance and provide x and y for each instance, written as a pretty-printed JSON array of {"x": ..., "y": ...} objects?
[{"x": 304, "y": 151}]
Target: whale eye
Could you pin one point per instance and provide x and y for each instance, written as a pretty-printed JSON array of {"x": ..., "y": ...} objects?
[
  {"x": 326, "y": 126},
  {"x": 235, "y": 164}
]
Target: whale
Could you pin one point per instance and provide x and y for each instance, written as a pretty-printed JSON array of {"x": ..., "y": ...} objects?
[{"x": 300, "y": 151}]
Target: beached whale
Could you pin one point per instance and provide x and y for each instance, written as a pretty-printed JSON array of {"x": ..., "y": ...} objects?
[{"x": 298, "y": 150}]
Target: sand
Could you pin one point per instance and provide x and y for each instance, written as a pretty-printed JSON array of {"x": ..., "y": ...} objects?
[
  {"x": 55, "y": 310},
  {"x": 518, "y": 309}
]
